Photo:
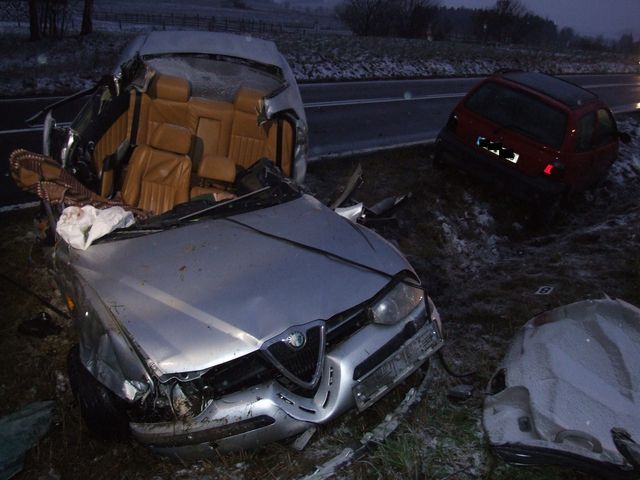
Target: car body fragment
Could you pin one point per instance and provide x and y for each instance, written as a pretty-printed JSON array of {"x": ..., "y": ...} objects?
[{"x": 567, "y": 391}]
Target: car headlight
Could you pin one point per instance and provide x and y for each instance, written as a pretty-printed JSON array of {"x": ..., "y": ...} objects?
[{"x": 397, "y": 304}]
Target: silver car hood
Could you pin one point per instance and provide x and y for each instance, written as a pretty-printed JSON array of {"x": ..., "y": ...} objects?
[{"x": 203, "y": 294}]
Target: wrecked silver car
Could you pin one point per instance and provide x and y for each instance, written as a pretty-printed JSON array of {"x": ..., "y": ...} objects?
[
  {"x": 236, "y": 309},
  {"x": 567, "y": 391}
]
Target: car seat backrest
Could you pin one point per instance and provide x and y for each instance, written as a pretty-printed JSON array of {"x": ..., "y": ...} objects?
[
  {"x": 248, "y": 139},
  {"x": 158, "y": 175},
  {"x": 166, "y": 101},
  {"x": 211, "y": 122}
]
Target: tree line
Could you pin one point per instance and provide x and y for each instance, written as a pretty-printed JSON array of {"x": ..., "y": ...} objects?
[
  {"x": 508, "y": 21},
  {"x": 51, "y": 18}
]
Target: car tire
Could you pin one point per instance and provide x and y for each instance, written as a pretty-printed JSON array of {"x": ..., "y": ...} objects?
[{"x": 102, "y": 411}]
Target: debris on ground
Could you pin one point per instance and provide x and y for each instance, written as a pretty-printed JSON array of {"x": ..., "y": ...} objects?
[{"x": 19, "y": 432}]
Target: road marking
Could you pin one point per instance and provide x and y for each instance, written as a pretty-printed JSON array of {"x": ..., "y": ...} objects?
[
  {"x": 630, "y": 107},
  {"x": 35, "y": 128},
  {"x": 366, "y": 101},
  {"x": 20, "y": 206},
  {"x": 30, "y": 99},
  {"x": 362, "y": 151},
  {"x": 610, "y": 85},
  {"x": 438, "y": 96},
  {"x": 390, "y": 80},
  {"x": 310, "y": 85}
]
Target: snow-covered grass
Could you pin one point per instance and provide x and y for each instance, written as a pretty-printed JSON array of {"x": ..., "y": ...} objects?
[
  {"x": 55, "y": 67},
  {"x": 65, "y": 66},
  {"x": 326, "y": 57}
]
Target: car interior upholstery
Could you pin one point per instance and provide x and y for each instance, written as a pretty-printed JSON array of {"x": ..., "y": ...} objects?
[
  {"x": 224, "y": 138},
  {"x": 159, "y": 174}
]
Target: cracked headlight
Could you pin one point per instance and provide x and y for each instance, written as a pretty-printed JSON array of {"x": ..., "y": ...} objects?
[{"x": 397, "y": 304}]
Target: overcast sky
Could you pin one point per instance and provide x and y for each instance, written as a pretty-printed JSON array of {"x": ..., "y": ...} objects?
[{"x": 588, "y": 17}]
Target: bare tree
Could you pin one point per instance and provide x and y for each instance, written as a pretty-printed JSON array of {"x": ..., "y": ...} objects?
[
  {"x": 87, "y": 18},
  {"x": 365, "y": 17},
  {"x": 406, "y": 18},
  {"x": 414, "y": 17},
  {"x": 510, "y": 8},
  {"x": 14, "y": 9},
  {"x": 507, "y": 13},
  {"x": 34, "y": 24}
]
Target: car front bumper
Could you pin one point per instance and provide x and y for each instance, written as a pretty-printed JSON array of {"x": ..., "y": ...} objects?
[
  {"x": 535, "y": 189},
  {"x": 269, "y": 412}
]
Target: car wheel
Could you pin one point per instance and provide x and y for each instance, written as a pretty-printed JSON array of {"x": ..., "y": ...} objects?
[{"x": 103, "y": 412}]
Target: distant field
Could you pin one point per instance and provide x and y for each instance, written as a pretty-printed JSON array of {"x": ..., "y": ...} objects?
[
  {"x": 260, "y": 11},
  {"x": 315, "y": 54}
]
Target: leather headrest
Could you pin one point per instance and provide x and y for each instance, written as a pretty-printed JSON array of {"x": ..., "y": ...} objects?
[
  {"x": 247, "y": 100},
  {"x": 168, "y": 87},
  {"x": 172, "y": 138}
]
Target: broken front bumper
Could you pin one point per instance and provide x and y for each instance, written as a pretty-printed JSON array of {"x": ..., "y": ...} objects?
[{"x": 357, "y": 372}]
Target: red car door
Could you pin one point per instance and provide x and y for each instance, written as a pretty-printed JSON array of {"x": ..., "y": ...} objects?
[
  {"x": 580, "y": 172},
  {"x": 605, "y": 143}
]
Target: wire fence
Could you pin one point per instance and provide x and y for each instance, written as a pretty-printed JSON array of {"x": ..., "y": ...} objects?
[{"x": 202, "y": 22}]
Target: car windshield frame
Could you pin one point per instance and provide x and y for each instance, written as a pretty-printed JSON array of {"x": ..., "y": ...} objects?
[
  {"x": 514, "y": 109},
  {"x": 200, "y": 209}
]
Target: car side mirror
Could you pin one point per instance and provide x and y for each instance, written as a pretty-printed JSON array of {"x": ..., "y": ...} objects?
[{"x": 624, "y": 137}]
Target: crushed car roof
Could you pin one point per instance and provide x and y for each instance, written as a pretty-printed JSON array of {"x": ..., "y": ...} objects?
[{"x": 211, "y": 43}]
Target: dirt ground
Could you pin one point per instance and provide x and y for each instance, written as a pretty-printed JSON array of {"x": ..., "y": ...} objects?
[{"x": 482, "y": 261}]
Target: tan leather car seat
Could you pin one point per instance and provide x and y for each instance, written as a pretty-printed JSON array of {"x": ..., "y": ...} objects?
[
  {"x": 215, "y": 172},
  {"x": 248, "y": 139},
  {"x": 158, "y": 174},
  {"x": 211, "y": 122},
  {"x": 166, "y": 101}
]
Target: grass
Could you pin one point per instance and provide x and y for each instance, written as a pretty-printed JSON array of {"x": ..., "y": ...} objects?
[
  {"x": 56, "y": 66},
  {"x": 482, "y": 307}
]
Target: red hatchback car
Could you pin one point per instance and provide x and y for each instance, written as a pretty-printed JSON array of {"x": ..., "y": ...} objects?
[{"x": 538, "y": 136}]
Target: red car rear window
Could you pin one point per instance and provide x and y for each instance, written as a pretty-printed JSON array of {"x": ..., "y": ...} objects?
[{"x": 515, "y": 110}]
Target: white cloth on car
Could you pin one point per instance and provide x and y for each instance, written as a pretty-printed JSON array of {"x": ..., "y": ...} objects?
[{"x": 80, "y": 227}]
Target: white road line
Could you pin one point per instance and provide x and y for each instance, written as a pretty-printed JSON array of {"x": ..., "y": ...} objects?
[
  {"x": 30, "y": 99},
  {"x": 393, "y": 80},
  {"x": 20, "y": 206},
  {"x": 35, "y": 128},
  {"x": 366, "y": 101},
  {"x": 631, "y": 107},
  {"x": 21, "y": 130},
  {"x": 610, "y": 85},
  {"x": 362, "y": 151}
]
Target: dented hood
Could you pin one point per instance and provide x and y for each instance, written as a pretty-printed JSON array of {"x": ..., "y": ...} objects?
[{"x": 205, "y": 293}]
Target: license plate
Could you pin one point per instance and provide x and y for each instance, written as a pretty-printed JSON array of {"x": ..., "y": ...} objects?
[
  {"x": 396, "y": 368},
  {"x": 497, "y": 149}
]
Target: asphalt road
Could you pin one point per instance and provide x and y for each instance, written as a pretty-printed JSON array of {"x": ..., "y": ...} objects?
[
  {"x": 359, "y": 116},
  {"x": 344, "y": 117}
]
